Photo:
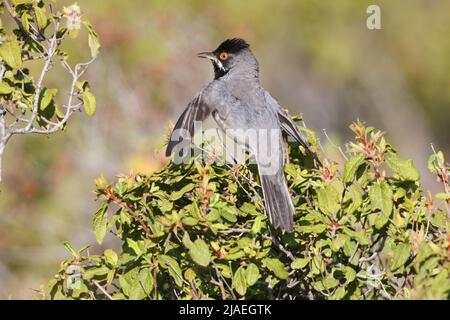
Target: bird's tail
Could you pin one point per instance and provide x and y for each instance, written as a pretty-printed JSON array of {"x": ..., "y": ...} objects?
[{"x": 278, "y": 201}]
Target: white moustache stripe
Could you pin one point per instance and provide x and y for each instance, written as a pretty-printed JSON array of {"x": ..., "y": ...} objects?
[{"x": 220, "y": 65}]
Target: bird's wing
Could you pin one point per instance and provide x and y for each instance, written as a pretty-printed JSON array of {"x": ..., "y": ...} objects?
[
  {"x": 197, "y": 110},
  {"x": 267, "y": 147},
  {"x": 288, "y": 125}
]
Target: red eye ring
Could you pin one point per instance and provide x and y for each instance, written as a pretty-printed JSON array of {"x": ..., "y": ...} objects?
[{"x": 223, "y": 56}]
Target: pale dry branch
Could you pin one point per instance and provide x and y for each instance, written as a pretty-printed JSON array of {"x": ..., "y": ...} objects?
[
  {"x": 102, "y": 290},
  {"x": 16, "y": 124}
]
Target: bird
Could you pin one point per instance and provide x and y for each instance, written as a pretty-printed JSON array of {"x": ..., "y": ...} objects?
[{"x": 238, "y": 103}]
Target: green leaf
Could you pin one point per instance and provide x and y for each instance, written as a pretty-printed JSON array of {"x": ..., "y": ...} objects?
[
  {"x": 277, "y": 267},
  {"x": 338, "y": 242},
  {"x": 404, "y": 168},
  {"x": 199, "y": 252},
  {"x": 227, "y": 214},
  {"x": 291, "y": 169},
  {"x": 100, "y": 222},
  {"x": 328, "y": 199},
  {"x": 350, "y": 274},
  {"x": 93, "y": 39},
  {"x": 5, "y": 88},
  {"x": 69, "y": 248},
  {"x": 190, "y": 221},
  {"x": 380, "y": 195},
  {"x": 187, "y": 240},
  {"x": 11, "y": 53},
  {"x": 355, "y": 196},
  {"x": 327, "y": 283},
  {"x": 146, "y": 280},
  {"x": 110, "y": 257},
  {"x": 318, "y": 267},
  {"x": 16, "y": 2},
  {"x": 165, "y": 205},
  {"x": 89, "y": 103},
  {"x": 248, "y": 208},
  {"x": 436, "y": 161},
  {"x": 41, "y": 16},
  {"x": 190, "y": 275},
  {"x": 338, "y": 294},
  {"x": 312, "y": 137},
  {"x": 315, "y": 228},
  {"x": 443, "y": 196},
  {"x": 82, "y": 85},
  {"x": 300, "y": 263},
  {"x": 26, "y": 19},
  {"x": 359, "y": 236},
  {"x": 401, "y": 255},
  {"x": 94, "y": 272},
  {"x": 170, "y": 264},
  {"x": 440, "y": 285},
  {"x": 224, "y": 270},
  {"x": 83, "y": 248},
  {"x": 239, "y": 281},
  {"x": 424, "y": 252},
  {"x": 252, "y": 274},
  {"x": 131, "y": 285},
  {"x": 178, "y": 194},
  {"x": 351, "y": 166},
  {"x": 439, "y": 219},
  {"x": 256, "y": 228},
  {"x": 47, "y": 98},
  {"x": 134, "y": 246}
]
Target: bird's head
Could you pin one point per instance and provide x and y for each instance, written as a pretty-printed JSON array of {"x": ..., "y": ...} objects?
[{"x": 232, "y": 54}]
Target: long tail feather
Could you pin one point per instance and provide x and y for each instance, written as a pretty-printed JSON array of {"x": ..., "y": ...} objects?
[{"x": 278, "y": 201}]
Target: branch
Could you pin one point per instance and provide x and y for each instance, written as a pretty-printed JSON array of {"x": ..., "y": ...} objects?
[
  {"x": 222, "y": 281},
  {"x": 279, "y": 245},
  {"x": 102, "y": 289},
  {"x": 48, "y": 60},
  {"x": 13, "y": 15},
  {"x": 111, "y": 196}
]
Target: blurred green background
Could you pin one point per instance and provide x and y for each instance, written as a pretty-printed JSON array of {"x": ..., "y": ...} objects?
[{"x": 317, "y": 57}]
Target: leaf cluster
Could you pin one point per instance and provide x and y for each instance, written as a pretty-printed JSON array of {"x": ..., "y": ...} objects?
[
  {"x": 33, "y": 37},
  {"x": 198, "y": 231}
]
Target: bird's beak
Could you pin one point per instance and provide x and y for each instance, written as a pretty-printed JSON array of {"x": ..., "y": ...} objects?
[
  {"x": 208, "y": 55},
  {"x": 211, "y": 56}
]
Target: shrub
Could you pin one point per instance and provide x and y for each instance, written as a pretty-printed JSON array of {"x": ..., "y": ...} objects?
[
  {"x": 31, "y": 43},
  {"x": 199, "y": 232}
]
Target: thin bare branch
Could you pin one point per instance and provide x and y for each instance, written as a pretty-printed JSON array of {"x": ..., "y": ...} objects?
[{"x": 102, "y": 290}]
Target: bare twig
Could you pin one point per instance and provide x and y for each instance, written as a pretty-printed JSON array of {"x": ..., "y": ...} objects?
[
  {"x": 334, "y": 145},
  {"x": 102, "y": 290},
  {"x": 279, "y": 246},
  {"x": 446, "y": 185},
  {"x": 111, "y": 196},
  {"x": 26, "y": 125},
  {"x": 222, "y": 280},
  {"x": 16, "y": 19},
  {"x": 48, "y": 60},
  {"x": 234, "y": 230},
  {"x": 373, "y": 256}
]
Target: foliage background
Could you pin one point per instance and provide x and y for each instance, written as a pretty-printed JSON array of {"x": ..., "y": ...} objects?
[
  {"x": 197, "y": 231},
  {"x": 316, "y": 57}
]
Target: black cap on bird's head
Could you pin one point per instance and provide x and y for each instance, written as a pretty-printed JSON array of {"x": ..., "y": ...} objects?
[
  {"x": 232, "y": 45},
  {"x": 230, "y": 54}
]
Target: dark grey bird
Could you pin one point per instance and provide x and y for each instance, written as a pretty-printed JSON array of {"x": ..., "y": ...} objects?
[{"x": 238, "y": 102}]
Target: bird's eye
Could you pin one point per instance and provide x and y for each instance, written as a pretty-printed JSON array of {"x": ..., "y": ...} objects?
[{"x": 223, "y": 56}]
